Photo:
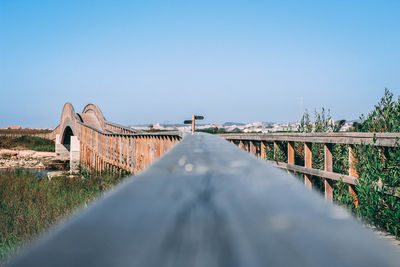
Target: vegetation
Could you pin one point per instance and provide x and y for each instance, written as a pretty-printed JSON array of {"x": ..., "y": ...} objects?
[
  {"x": 29, "y": 204},
  {"x": 323, "y": 123},
  {"x": 214, "y": 130},
  {"x": 378, "y": 190},
  {"x": 378, "y": 187},
  {"x": 27, "y": 142}
]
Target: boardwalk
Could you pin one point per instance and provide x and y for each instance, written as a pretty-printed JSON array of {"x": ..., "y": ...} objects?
[
  {"x": 203, "y": 201},
  {"x": 208, "y": 203}
]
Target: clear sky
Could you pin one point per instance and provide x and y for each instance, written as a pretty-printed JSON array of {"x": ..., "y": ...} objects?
[{"x": 161, "y": 61}]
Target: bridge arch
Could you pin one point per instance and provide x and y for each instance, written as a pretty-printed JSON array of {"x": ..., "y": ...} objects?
[
  {"x": 66, "y": 137},
  {"x": 92, "y": 116},
  {"x": 67, "y": 129}
]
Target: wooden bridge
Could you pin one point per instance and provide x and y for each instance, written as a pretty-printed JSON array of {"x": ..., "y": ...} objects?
[{"x": 205, "y": 202}]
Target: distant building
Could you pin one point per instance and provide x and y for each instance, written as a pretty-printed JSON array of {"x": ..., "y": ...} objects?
[{"x": 11, "y": 128}]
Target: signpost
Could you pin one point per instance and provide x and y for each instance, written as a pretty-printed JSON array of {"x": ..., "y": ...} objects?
[{"x": 192, "y": 121}]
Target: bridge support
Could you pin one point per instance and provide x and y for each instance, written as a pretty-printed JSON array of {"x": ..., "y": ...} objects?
[
  {"x": 70, "y": 152},
  {"x": 74, "y": 155},
  {"x": 62, "y": 152}
]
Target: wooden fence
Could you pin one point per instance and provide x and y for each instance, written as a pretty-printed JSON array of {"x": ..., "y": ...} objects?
[
  {"x": 256, "y": 144},
  {"x": 117, "y": 151}
]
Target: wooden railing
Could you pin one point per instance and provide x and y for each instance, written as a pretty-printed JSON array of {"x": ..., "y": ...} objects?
[
  {"x": 116, "y": 128},
  {"x": 117, "y": 151},
  {"x": 256, "y": 144},
  {"x": 207, "y": 203}
]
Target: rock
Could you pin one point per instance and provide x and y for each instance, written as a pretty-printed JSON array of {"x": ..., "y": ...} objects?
[
  {"x": 53, "y": 174},
  {"x": 29, "y": 159}
]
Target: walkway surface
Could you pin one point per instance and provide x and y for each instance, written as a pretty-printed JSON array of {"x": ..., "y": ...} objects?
[{"x": 387, "y": 237}]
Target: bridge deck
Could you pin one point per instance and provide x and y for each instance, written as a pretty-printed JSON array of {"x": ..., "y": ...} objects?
[{"x": 208, "y": 203}]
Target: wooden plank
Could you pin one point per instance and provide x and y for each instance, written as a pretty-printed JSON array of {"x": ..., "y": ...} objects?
[
  {"x": 291, "y": 152},
  {"x": 382, "y": 139},
  {"x": 241, "y": 145},
  {"x": 307, "y": 163},
  {"x": 263, "y": 147},
  {"x": 315, "y": 172},
  {"x": 253, "y": 149},
  {"x": 352, "y": 169},
  {"x": 352, "y": 172},
  {"x": 328, "y": 168},
  {"x": 275, "y": 151}
]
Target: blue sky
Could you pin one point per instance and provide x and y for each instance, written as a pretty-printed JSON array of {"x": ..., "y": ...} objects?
[{"x": 161, "y": 61}]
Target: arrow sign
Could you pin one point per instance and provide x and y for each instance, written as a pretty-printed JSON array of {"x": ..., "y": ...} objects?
[
  {"x": 187, "y": 122},
  {"x": 199, "y": 117}
]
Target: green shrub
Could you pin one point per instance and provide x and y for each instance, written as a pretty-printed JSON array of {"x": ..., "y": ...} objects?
[
  {"x": 378, "y": 168},
  {"x": 378, "y": 189}
]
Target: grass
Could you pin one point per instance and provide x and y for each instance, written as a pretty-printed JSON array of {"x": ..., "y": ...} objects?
[
  {"x": 27, "y": 142},
  {"x": 28, "y": 204}
]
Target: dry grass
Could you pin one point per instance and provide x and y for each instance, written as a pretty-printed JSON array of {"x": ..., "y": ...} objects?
[
  {"x": 27, "y": 142},
  {"x": 28, "y": 204}
]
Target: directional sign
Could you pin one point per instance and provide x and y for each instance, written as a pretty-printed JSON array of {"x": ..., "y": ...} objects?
[{"x": 193, "y": 121}]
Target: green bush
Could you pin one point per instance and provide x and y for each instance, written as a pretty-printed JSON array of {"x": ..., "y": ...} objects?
[
  {"x": 378, "y": 168},
  {"x": 378, "y": 189}
]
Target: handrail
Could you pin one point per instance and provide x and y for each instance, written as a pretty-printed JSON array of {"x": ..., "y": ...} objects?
[
  {"x": 208, "y": 203},
  {"x": 382, "y": 139},
  {"x": 112, "y": 124},
  {"x": 256, "y": 144},
  {"x": 167, "y": 133},
  {"x": 116, "y": 152}
]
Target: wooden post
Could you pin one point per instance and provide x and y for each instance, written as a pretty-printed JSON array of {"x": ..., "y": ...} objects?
[
  {"x": 290, "y": 152},
  {"x": 159, "y": 146},
  {"x": 307, "y": 163},
  {"x": 147, "y": 151},
  {"x": 129, "y": 153},
  {"x": 162, "y": 141},
  {"x": 241, "y": 145},
  {"x": 252, "y": 147},
  {"x": 352, "y": 172},
  {"x": 275, "y": 151},
  {"x": 263, "y": 156},
  {"x": 328, "y": 168},
  {"x": 193, "y": 124},
  {"x": 120, "y": 152},
  {"x": 140, "y": 154},
  {"x": 125, "y": 154},
  {"x": 109, "y": 149}
]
